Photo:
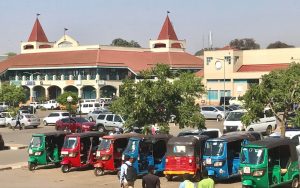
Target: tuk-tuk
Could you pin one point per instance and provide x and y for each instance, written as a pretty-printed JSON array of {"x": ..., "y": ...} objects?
[
  {"x": 184, "y": 156},
  {"x": 79, "y": 150},
  {"x": 109, "y": 152},
  {"x": 148, "y": 150},
  {"x": 272, "y": 162},
  {"x": 221, "y": 155},
  {"x": 45, "y": 149}
]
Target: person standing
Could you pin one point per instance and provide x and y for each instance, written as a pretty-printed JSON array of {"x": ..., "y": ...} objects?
[
  {"x": 186, "y": 182},
  {"x": 128, "y": 173},
  {"x": 151, "y": 180},
  {"x": 206, "y": 182}
]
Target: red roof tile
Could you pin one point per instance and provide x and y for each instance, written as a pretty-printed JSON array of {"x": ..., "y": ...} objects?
[
  {"x": 200, "y": 73},
  {"x": 134, "y": 60},
  {"x": 37, "y": 33},
  {"x": 167, "y": 31},
  {"x": 262, "y": 67}
]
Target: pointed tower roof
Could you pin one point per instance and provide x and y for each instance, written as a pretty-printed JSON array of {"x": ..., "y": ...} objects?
[
  {"x": 37, "y": 33},
  {"x": 167, "y": 31}
]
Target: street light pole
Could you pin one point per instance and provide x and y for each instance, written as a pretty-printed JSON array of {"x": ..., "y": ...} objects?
[
  {"x": 218, "y": 66},
  {"x": 69, "y": 100}
]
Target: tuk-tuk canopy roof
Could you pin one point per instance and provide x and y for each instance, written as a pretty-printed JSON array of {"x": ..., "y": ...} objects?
[
  {"x": 126, "y": 135},
  {"x": 187, "y": 140},
  {"x": 87, "y": 134},
  {"x": 56, "y": 133},
  {"x": 234, "y": 136},
  {"x": 154, "y": 138}
]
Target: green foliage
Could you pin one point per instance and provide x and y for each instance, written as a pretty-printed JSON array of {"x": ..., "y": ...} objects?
[
  {"x": 10, "y": 54},
  {"x": 244, "y": 44},
  {"x": 125, "y": 43},
  {"x": 279, "y": 90},
  {"x": 149, "y": 101},
  {"x": 12, "y": 94},
  {"x": 62, "y": 99},
  {"x": 279, "y": 44}
]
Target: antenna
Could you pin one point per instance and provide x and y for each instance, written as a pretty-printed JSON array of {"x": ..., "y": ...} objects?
[{"x": 210, "y": 40}]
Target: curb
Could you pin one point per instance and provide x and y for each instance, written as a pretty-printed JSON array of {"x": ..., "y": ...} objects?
[
  {"x": 16, "y": 147},
  {"x": 13, "y": 166}
]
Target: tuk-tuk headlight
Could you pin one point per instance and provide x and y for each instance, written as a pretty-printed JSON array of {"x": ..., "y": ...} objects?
[
  {"x": 218, "y": 163},
  {"x": 258, "y": 173},
  {"x": 204, "y": 163},
  {"x": 98, "y": 154},
  {"x": 38, "y": 153},
  {"x": 123, "y": 157},
  {"x": 105, "y": 157},
  {"x": 30, "y": 151},
  {"x": 72, "y": 154}
]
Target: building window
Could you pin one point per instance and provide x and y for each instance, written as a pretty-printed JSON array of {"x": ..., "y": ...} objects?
[
  {"x": 236, "y": 58},
  {"x": 212, "y": 81},
  {"x": 228, "y": 59},
  {"x": 208, "y": 60},
  {"x": 212, "y": 95},
  {"x": 227, "y": 93}
]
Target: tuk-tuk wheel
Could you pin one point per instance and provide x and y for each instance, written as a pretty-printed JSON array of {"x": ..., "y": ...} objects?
[
  {"x": 31, "y": 166},
  {"x": 295, "y": 182},
  {"x": 65, "y": 168},
  {"x": 98, "y": 172},
  {"x": 247, "y": 186},
  {"x": 269, "y": 130},
  {"x": 169, "y": 177}
]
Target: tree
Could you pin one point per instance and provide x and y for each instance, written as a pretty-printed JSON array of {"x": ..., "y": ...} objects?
[
  {"x": 125, "y": 43},
  {"x": 244, "y": 44},
  {"x": 279, "y": 44},
  {"x": 201, "y": 52},
  {"x": 280, "y": 91},
  {"x": 12, "y": 94},
  {"x": 11, "y": 54},
  {"x": 62, "y": 99},
  {"x": 149, "y": 101}
]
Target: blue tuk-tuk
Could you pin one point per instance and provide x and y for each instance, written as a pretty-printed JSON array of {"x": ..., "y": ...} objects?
[
  {"x": 148, "y": 150},
  {"x": 221, "y": 156}
]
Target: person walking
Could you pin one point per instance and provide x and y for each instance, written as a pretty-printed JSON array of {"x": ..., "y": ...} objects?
[
  {"x": 206, "y": 182},
  {"x": 186, "y": 182},
  {"x": 128, "y": 173},
  {"x": 150, "y": 180},
  {"x": 18, "y": 123}
]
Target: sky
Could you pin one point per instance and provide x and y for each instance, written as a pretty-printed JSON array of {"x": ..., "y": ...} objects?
[{"x": 100, "y": 21}]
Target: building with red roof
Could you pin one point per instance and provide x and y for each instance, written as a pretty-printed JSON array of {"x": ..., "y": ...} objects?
[{"x": 47, "y": 69}]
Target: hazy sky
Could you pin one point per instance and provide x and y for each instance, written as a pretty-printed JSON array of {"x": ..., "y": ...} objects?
[{"x": 101, "y": 21}]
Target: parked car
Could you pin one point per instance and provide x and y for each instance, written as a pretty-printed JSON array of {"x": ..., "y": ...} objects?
[
  {"x": 35, "y": 105},
  {"x": 88, "y": 107},
  {"x": 30, "y": 109},
  {"x": 8, "y": 117},
  {"x": 51, "y": 104},
  {"x": 76, "y": 124},
  {"x": 236, "y": 101},
  {"x": 2, "y": 120},
  {"x": 94, "y": 114},
  {"x": 266, "y": 123},
  {"x": 26, "y": 120},
  {"x": 1, "y": 142},
  {"x": 212, "y": 112},
  {"x": 54, "y": 116},
  {"x": 23, "y": 112},
  {"x": 211, "y": 133},
  {"x": 109, "y": 122}
]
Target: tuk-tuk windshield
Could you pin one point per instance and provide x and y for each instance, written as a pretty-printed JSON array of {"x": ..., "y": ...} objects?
[
  {"x": 235, "y": 116},
  {"x": 70, "y": 142},
  {"x": 36, "y": 142},
  {"x": 105, "y": 144},
  {"x": 252, "y": 155},
  {"x": 214, "y": 148},
  {"x": 131, "y": 146}
]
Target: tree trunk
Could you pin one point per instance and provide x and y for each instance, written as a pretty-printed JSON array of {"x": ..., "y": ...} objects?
[{"x": 282, "y": 129}]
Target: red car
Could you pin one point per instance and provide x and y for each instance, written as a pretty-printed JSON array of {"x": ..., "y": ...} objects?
[{"x": 75, "y": 124}]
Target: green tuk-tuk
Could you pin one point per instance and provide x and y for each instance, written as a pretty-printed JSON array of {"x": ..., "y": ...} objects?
[
  {"x": 45, "y": 149},
  {"x": 272, "y": 162}
]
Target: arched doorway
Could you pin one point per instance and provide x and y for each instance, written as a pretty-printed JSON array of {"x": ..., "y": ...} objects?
[
  {"x": 54, "y": 92},
  {"x": 72, "y": 89},
  {"x": 39, "y": 93},
  {"x": 88, "y": 92},
  {"x": 108, "y": 91},
  {"x": 27, "y": 92}
]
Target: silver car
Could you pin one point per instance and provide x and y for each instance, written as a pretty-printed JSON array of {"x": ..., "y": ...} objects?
[
  {"x": 94, "y": 114},
  {"x": 213, "y": 112},
  {"x": 26, "y": 120}
]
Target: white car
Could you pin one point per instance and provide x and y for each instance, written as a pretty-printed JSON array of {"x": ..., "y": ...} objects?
[
  {"x": 265, "y": 124},
  {"x": 236, "y": 101},
  {"x": 36, "y": 105},
  {"x": 53, "y": 117},
  {"x": 8, "y": 117},
  {"x": 51, "y": 104},
  {"x": 26, "y": 120},
  {"x": 2, "y": 120}
]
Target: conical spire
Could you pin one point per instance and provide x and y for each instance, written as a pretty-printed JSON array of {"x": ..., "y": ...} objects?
[
  {"x": 37, "y": 33},
  {"x": 167, "y": 31}
]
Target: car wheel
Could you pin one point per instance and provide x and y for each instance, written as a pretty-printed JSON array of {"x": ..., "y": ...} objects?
[
  {"x": 90, "y": 118},
  {"x": 65, "y": 168},
  {"x": 35, "y": 126},
  {"x": 269, "y": 130},
  {"x": 22, "y": 126},
  {"x": 101, "y": 129},
  {"x": 169, "y": 177},
  {"x": 251, "y": 129},
  {"x": 98, "y": 171},
  {"x": 295, "y": 182},
  {"x": 9, "y": 126},
  {"x": 219, "y": 117},
  {"x": 45, "y": 123},
  {"x": 52, "y": 107}
]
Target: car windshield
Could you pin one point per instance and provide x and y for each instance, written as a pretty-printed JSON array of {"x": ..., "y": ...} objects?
[
  {"x": 105, "y": 144},
  {"x": 65, "y": 114},
  {"x": 29, "y": 116},
  {"x": 252, "y": 155},
  {"x": 221, "y": 108},
  {"x": 81, "y": 120},
  {"x": 36, "y": 142},
  {"x": 132, "y": 146},
  {"x": 70, "y": 142},
  {"x": 235, "y": 116},
  {"x": 214, "y": 148}
]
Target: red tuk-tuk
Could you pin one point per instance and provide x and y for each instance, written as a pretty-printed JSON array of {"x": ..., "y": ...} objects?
[
  {"x": 109, "y": 152},
  {"x": 79, "y": 150},
  {"x": 184, "y": 156}
]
